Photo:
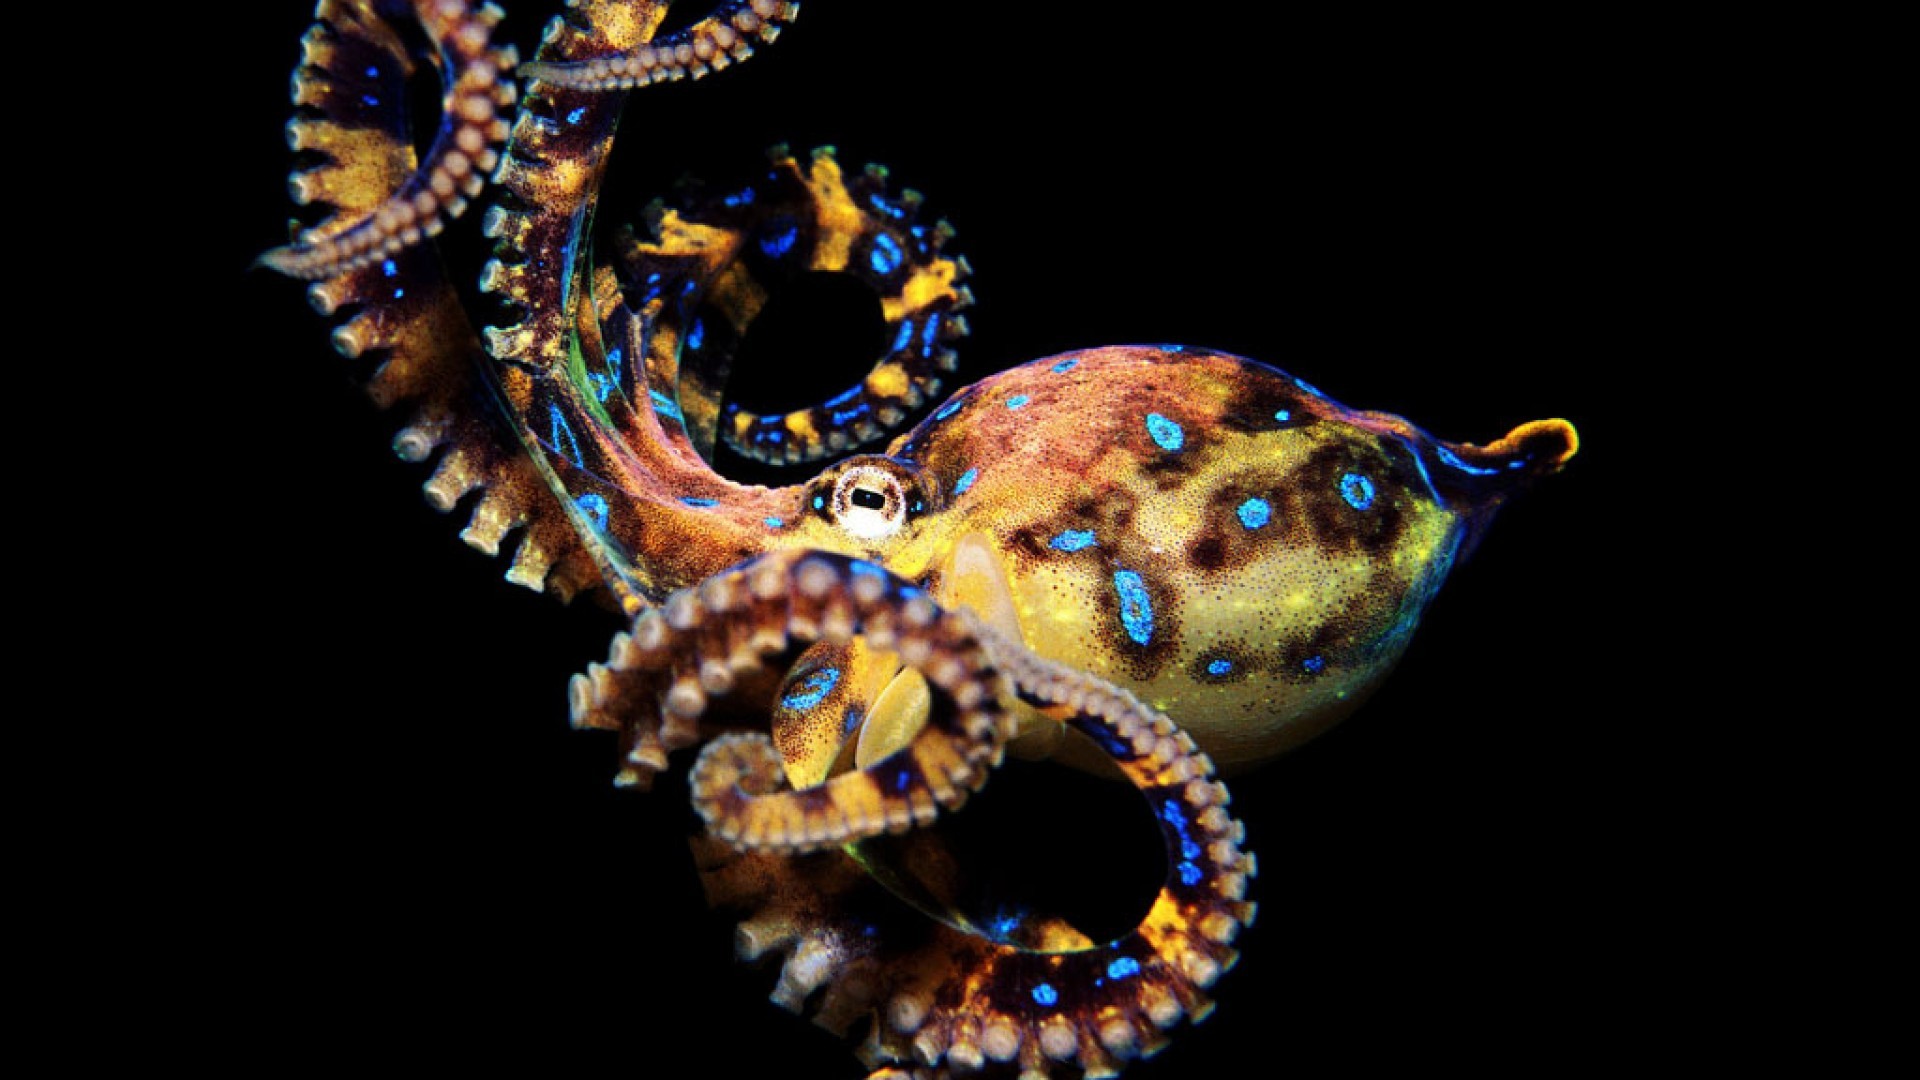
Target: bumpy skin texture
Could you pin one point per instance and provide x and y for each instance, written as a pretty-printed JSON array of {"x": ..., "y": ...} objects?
[{"x": 1141, "y": 560}]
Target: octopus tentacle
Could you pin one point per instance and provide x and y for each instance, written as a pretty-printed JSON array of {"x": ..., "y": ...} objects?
[
  {"x": 402, "y": 310},
  {"x": 704, "y": 642},
  {"x": 725, "y": 37},
  {"x": 654, "y": 517},
  {"x": 715, "y": 257},
  {"x": 463, "y": 152},
  {"x": 951, "y": 1001}
]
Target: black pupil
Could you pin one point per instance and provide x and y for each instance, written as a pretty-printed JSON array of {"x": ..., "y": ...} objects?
[{"x": 872, "y": 500}]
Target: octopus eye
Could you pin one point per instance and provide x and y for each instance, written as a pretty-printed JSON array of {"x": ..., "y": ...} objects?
[{"x": 871, "y": 501}]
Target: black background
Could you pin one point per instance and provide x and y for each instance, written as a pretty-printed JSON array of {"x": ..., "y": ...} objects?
[{"x": 1469, "y": 221}]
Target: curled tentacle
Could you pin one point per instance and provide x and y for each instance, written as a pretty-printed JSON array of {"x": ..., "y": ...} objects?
[
  {"x": 401, "y": 311},
  {"x": 947, "y": 1001},
  {"x": 716, "y": 256},
  {"x": 704, "y": 642},
  {"x": 466, "y": 148},
  {"x": 725, "y": 37}
]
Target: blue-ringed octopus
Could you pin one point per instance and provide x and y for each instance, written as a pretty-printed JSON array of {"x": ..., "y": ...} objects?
[{"x": 1148, "y": 562}]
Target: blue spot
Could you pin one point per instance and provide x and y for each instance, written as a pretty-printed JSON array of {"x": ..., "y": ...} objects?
[
  {"x": 696, "y": 334},
  {"x": 949, "y": 408},
  {"x": 1072, "y": 540},
  {"x": 813, "y": 691},
  {"x": 1217, "y": 668},
  {"x": 602, "y": 386},
  {"x": 1303, "y": 384},
  {"x": 1448, "y": 457},
  {"x": 773, "y": 522},
  {"x": 841, "y": 399},
  {"x": 702, "y": 503},
  {"x": 1167, "y": 434},
  {"x": 929, "y": 334},
  {"x": 1108, "y": 741},
  {"x": 1314, "y": 663},
  {"x": 1189, "y": 874},
  {"x": 885, "y": 256},
  {"x": 1004, "y": 922},
  {"x": 398, "y": 293},
  {"x": 1066, "y": 365},
  {"x": 885, "y": 207},
  {"x": 840, "y": 418},
  {"x": 1018, "y": 401},
  {"x": 562, "y": 436},
  {"x": 780, "y": 241},
  {"x": 769, "y": 434},
  {"x": 852, "y": 721},
  {"x": 902, "y": 779},
  {"x": 966, "y": 480},
  {"x": 1357, "y": 490},
  {"x": 1136, "y": 607},
  {"x": 1254, "y": 513},
  {"x": 369, "y": 100},
  {"x": 574, "y": 116},
  {"x": 1045, "y": 994},
  {"x": 373, "y": 72},
  {"x": 595, "y": 507},
  {"x": 614, "y": 360},
  {"x": 744, "y": 197},
  {"x": 1126, "y": 967},
  {"x": 863, "y": 568},
  {"x": 666, "y": 406},
  {"x": 819, "y": 502},
  {"x": 904, "y": 338},
  {"x": 1177, "y": 817},
  {"x": 388, "y": 268},
  {"x": 1282, "y": 415}
]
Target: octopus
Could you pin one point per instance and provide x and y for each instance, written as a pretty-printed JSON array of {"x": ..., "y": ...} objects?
[{"x": 1153, "y": 563}]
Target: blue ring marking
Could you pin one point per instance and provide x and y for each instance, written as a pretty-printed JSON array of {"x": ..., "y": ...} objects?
[
  {"x": 1066, "y": 365},
  {"x": 966, "y": 480},
  {"x": 1046, "y": 995},
  {"x": 1125, "y": 967},
  {"x": 950, "y": 408},
  {"x": 594, "y": 506},
  {"x": 1254, "y": 513},
  {"x": 1357, "y": 490},
  {"x": 1072, "y": 540},
  {"x": 840, "y": 418},
  {"x": 1167, "y": 434},
  {"x": 885, "y": 257},
  {"x": 813, "y": 691},
  {"x": 1218, "y": 668},
  {"x": 561, "y": 429},
  {"x": 1018, "y": 401},
  {"x": 841, "y": 399},
  {"x": 777, "y": 243},
  {"x": 1136, "y": 607},
  {"x": 930, "y": 334},
  {"x": 691, "y": 500},
  {"x": 1304, "y": 385},
  {"x": 1174, "y": 815},
  {"x": 904, "y": 338}
]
